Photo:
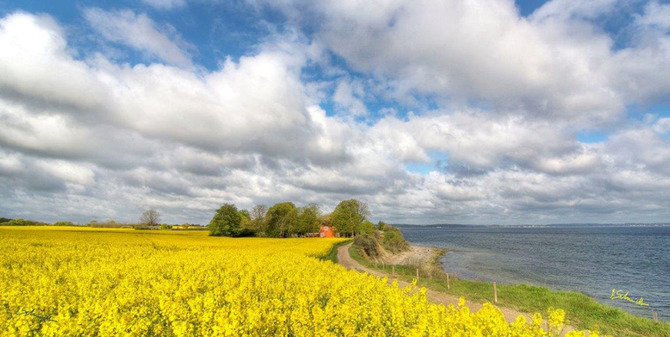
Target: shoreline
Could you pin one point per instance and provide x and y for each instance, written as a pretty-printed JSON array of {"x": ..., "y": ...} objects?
[
  {"x": 416, "y": 255},
  {"x": 583, "y": 311},
  {"x": 436, "y": 265}
]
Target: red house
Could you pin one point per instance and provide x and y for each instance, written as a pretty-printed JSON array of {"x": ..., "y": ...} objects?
[{"x": 326, "y": 232}]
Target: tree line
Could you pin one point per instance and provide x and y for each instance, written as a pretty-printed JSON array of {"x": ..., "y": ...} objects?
[
  {"x": 150, "y": 219},
  {"x": 285, "y": 219}
]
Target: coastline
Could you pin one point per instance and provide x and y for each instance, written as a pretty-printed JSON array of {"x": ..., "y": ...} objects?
[
  {"x": 416, "y": 255},
  {"x": 583, "y": 312},
  {"x": 586, "y": 259}
]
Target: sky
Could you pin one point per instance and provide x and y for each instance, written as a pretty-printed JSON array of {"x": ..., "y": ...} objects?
[{"x": 454, "y": 111}]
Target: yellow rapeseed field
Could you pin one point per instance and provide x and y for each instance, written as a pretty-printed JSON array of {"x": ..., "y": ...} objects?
[{"x": 109, "y": 282}]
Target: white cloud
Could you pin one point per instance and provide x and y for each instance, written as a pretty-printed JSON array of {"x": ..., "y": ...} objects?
[
  {"x": 140, "y": 32},
  {"x": 656, "y": 16},
  {"x": 643, "y": 69},
  {"x": 662, "y": 125},
  {"x": 569, "y": 10},
  {"x": 165, "y": 4},
  {"x": 473, "y": 50},
  {"x": 348, "y": 96},
  {"x": 68, "y": 171},
  {"x": 34, "y": 59},
  {"x": 257, "y": 104},
  {"x": 473, "y": 138},
  {"x": 110, "y": 139}
]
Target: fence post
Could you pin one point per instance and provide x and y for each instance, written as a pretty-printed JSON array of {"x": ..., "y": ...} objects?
[
  {"x": 448, "y": 287},
  {"x": 417, "y": 275},
  {"x": 495, "y": 293}
]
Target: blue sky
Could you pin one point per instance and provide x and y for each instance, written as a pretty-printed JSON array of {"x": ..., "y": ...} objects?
[{"x": 470, "y": 112}]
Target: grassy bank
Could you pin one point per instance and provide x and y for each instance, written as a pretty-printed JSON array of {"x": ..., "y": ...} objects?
[
  {"x": 332, "y": 254},
  {"x": 582, "y": 311}
]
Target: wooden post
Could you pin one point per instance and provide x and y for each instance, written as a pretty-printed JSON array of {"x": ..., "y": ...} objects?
[
  {"x": 393, "y": 273},
  {"x": 417, "y": 275},
  {"x": 448, "y": 287},
  {"x": 495, "y": 293},
  {"x": 654, "y": 315}
]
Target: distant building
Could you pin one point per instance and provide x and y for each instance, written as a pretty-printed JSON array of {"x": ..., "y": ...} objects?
[{"x": 326, "y": 232}]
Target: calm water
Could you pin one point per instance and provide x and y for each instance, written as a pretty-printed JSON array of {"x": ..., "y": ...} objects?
[{"x": 589, "y": 259}]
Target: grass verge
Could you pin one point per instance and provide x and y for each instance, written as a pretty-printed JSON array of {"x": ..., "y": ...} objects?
[
  {"x": 332, "y": 254},
  {"x": 582, "y": 311}
]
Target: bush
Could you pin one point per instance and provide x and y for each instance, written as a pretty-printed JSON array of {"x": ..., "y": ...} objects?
[
  {"x": 369, "y": 244},
  {"x": 367, "y": 227},
  {"x": 389, "y": 239},
  {"x": 394, "y": 241}
]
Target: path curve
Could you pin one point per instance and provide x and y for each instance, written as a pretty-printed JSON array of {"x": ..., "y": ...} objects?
[{"x": 345, "y": 259}]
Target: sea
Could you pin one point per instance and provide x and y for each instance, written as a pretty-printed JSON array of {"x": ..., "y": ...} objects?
[{"x": 592, "y": 259}]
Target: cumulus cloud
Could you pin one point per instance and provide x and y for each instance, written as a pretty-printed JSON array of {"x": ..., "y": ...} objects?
[
  {"x": 256, "y": 105},
  {"x": 655, "y": 15},
  {"x": 156, "y": 126},
  {"x": 138, "y": 31},
  {"x": 473, "y": 50},
  {"x": 348, "y": 96},
  {"x": 34, "y": 61},
  {"x": 643, "y": 71},
  {"x": 87, "y": 136}
]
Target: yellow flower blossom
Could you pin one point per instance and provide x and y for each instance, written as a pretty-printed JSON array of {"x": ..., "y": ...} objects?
[{"x": 111, "y": 282}]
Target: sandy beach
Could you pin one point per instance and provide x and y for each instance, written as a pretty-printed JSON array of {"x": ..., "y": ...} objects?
[{"x": 416, "y": 256}]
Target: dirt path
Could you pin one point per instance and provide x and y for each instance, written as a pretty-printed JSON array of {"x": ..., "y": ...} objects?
[{"x": 433, "y": 296}]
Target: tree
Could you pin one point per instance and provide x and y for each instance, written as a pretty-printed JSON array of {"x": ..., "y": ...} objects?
[
  {"x": 246, "y": 227},
  {"x": 258, "y": 212},
  {"x": 257, "y": 216},
  {"x": 349, "y": 216},
  {"x": 246, "y": 217},
  {"x": 23, "y": 222},
  {"x": 226, "y": 221},
  {"x": 281, "y": 219},
  {"x": 308, "y": 219},
  {"x": 64, "y": 223},
  {"x": 150, "y": 217}
]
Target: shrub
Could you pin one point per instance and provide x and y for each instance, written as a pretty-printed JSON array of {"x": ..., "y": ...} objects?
[
  {"x": 369, "y": 244},
  {"x": 394, "y": 241}
]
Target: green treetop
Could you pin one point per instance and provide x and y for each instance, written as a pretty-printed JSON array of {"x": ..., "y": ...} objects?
[
  {"x": 281, "y": 219},
  {"x": 226, "y": 221},
  {"x": 349, "y": 216}
]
